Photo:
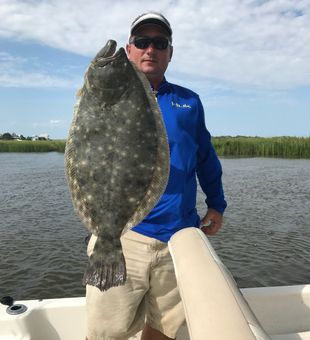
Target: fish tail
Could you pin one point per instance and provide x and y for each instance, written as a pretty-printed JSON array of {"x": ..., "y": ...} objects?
[
  {"x": 106, "y": 276},
  {"x": 105, "y": 271}
]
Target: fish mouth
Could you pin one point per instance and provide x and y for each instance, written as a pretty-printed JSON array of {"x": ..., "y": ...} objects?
[{"x": 107, "y": 53}]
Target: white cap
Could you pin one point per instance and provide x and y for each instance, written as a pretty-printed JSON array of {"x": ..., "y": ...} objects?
[{"x": 154, "y": 18}]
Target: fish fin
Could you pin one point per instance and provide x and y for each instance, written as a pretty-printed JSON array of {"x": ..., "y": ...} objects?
[
  {"x": 106, "y": 276},
  {"x": 79, "y": 92},
  {"x": 105, "y": 270}
]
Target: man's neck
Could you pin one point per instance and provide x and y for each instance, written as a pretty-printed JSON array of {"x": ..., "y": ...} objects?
[{"x": 155, "y": 83}]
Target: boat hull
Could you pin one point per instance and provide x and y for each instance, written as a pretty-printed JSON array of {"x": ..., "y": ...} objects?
[
  {"x": 215, "y": 307},
  {"x": 284, "y": 312}
]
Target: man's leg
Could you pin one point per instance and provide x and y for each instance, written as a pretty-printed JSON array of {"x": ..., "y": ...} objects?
[
  {"x": 119, "y": 312},
  {"x": 164, "y": 308},
  {"x": 150, "y": 333}
]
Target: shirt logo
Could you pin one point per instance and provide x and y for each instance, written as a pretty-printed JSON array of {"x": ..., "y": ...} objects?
[{"x": 185, "y": 106}]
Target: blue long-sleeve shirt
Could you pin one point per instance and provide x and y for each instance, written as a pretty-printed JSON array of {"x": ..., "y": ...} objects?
[{"x": 191, "y": 153}]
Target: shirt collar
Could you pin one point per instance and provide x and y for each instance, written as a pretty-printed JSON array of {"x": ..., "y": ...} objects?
[{"x": 163, "y": 86}]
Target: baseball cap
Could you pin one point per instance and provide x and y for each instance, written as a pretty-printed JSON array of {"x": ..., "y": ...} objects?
[{"x": 151, "y": 18}]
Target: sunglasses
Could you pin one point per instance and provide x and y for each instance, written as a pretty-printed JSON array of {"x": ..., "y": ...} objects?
[{"x": 143, "y": 42}]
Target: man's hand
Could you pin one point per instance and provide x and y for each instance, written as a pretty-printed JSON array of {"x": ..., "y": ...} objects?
[{"x": 212, "y": 222}]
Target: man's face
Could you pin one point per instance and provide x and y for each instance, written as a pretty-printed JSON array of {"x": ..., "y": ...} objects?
[{"x": 151, "y": 61}]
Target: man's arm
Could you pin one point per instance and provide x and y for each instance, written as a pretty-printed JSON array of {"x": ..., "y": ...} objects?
[
  {"x": 212, "y": 222},
  {"x": 209, "y": 173}
]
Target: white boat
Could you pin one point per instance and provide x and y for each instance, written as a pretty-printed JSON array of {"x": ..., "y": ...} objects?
[{"x": 215, "y": 308}]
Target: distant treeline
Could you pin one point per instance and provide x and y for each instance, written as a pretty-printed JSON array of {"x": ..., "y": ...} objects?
[{"x": 282, "y": 147}]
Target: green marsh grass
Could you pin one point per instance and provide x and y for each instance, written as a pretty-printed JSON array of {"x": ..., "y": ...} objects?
[
  {"x": 282, "y": 147},
  {"x": 32, "y": 146}
]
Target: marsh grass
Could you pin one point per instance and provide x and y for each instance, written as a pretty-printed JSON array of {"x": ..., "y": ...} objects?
[
  {"x": 282, "y": 147},
  {"x": 32, "y": 146}
]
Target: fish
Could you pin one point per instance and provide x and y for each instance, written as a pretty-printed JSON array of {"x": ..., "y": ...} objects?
[{"x": 116, "y": 158}]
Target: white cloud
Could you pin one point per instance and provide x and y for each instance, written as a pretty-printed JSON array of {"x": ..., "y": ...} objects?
[
  {"x": 56, "y": 121},
  {"x": 261, "y": 44},
  {"x": 21, "y": 72},
  {"x": 38, "y": 80}
]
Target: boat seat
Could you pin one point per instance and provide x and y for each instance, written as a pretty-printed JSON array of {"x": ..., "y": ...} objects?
[
  {"x": 214, "y": 306},
  {"x": 295, "y": 336}
]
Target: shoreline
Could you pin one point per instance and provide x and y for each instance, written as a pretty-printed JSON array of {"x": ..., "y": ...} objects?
[{"x": 225, "y": 146}]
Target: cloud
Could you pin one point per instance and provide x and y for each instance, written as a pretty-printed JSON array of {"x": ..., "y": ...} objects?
[
  {"x": 26, "y": 79},
  {"x": 256, "y": 43},
  {"x": 56, "y": 122},
  {"x": 17, "y": 71}
]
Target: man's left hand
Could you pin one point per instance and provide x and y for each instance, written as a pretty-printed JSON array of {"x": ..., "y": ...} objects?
[{"x": 212, "y": 222}]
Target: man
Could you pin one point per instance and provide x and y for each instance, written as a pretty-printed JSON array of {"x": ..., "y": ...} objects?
[{"x": 150, "y": 298}]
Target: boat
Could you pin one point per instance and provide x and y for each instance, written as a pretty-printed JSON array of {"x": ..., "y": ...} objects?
[{"x": 215, "y": 308}]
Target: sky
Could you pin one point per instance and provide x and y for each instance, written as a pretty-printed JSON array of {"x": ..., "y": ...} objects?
[{"x": 249, "y": 60}]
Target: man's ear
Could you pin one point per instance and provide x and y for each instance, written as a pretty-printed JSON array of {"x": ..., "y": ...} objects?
[
  {"x": 128, "y": 47},
  {"x": 171, "y": 52}
]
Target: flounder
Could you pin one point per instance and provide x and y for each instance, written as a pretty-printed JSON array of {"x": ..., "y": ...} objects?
[{"x": 116, "y": 158}]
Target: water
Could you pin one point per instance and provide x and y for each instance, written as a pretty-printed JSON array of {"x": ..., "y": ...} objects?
[
  {"x": 264, "y": 241},
  {"x": 266, "y": 236}
]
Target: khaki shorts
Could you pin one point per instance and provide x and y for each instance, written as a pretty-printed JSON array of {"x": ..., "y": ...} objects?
[{"x": 150, "y": 294}]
